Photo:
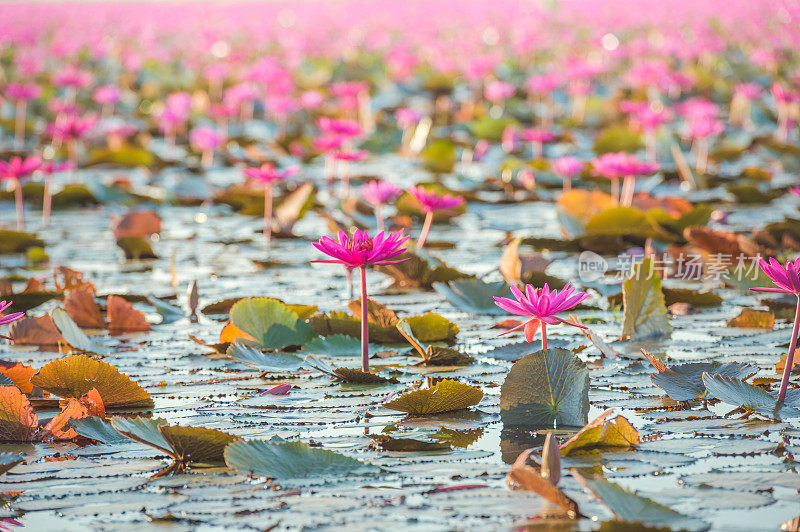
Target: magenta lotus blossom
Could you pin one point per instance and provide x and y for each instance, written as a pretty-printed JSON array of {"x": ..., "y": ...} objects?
[
  {"x": 430, "y": 203},
  {"x": 339, "y": 126},
  {"x": 622, "y": 165},
  {"x": 566, "y": 168},
  {"x": 206, "y": 139},
  {"x": 787, "y": 279},
  {"x": 498, "y": 92},
  {"x": 18, "y": 169},
  {"x": 267, "y": 174},
  {"x": 537, "y": 138},
  {"x": 5, "y": 319},
  {"x": 361, "y": 251},
  {"x": 540, "y": 305},
  {"x": 379, "y": 193},
  {"x": 107, "y": 96}
]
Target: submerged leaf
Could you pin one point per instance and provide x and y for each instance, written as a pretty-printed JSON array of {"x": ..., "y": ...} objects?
[
  {"x": 627, "y": 506},
  {"x": 684, "y": 382},
  {"x": 473, "y": 295},
  {"x": 75, "y": 376},
  {"x": 289, "y": 460},
  {"x": 268, "y": 361},
  {"x": 644, "y": 311},
  {"x": 445, "y": 396},
  {"x": 751, "y": 398},
  {"x": 550, "y": 386}
]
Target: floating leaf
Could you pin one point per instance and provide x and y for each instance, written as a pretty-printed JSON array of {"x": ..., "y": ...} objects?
[
  {"x": 644, "y": 311},
  {"x": 750, "y": 397},
  {"x": 289, "y": 460},
  {"x": 136, "y": 248},
  {"x": 292, "y": 208},
  {"x": 389, "y": 442},
  {"x": 418, "y": 271},
  {"x": 72, "y": 334},
  {"x": 439, "y": 157},
  {"x": 123, "y": 318},
  {"x": 18, "y": 242},
  {"x": 432, "y": 327},
  {"x": 196, "y": 444},
  {"x": 143, "y": 430},
  {"x": 280, "y": 362},
  {"x": 75, "y": 376},
  {"x": 83, "y": 309},
  {"x": 693, "y": 297},
  {"x": 357, "y": 376},
  {"x": 18, "y": 421},
  {"x": 473, "y": 295},
  {"x": 376, "y": 313},
  {"x": 169, "y": 313},
  {"x": 684, "y": 382},
  {"x": 627, "y": 506},
  {"x": 619, "y": 221},
  {"x": 750, "y": 318},
  {"x": 583, "y": 204},
  {"x": 273, "y": 324},
  {"x": 603, "y": 435},
  {"x": 34, "y": 331},
  {"x": 550, "y": 386},
  {"x": 616, "y": 138},
  {"x": 526, "y": 477},
  {"x": 445, "y": 396}
]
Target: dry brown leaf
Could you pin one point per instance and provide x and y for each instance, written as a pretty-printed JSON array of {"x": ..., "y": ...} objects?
[
  {"x": 35, "y": 331},
  {"x": 18, "y": 421},
  {"x": 524, "y": 476},
  {"x": 122, "y": 317},
  {"x": 514, "y": 266},
  {"x": 20, "y": 375},
  {"x": 139, "y": 224},
  {"x": 66, "y": 279},
  {"x": 376, "y": 313},
  {"x": 83, "y": 309},
  {"x": 230, "y": 333},
  {"x": 753, "y": 319},
  {"x": 58, "y": 427}
]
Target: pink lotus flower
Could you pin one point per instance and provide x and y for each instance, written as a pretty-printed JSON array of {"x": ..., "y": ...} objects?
[
  {"x": 5, "y": 319},
  {"x": 787, "y": 279},
  {"x": 72, "y": 127},
  {"x": 540, "y": 305},
  {"x": 378, "y": 193},
  {"x": 498, "y": 92},
  {"x": 566, "y": 168},
  {"x": 617, "y": 165},
  {"x": 359, "y": 252},
  {"x": 106, "y": 95},
  {"x": 268, "y": 174},
  {"x": 73, "y": 77},
  {"x": 537, "y": 137},
  {"x": 406, "y": 117},
  {"x": 19, "y": 168},
  {"x": 430, "y": 202},
  {"x": 339, "y": 126},
  {"x": 22, "y": 92}
]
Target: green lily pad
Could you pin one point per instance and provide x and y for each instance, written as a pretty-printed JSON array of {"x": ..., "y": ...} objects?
[
  {"x": 289, "y": 460},
  {"x": 644, "y": 310},
  {"x": 127, "y": 156},
  {"x": 439, "y": 157},
  {"x": 490, "y": 128},
  {"x": 752, "y": 398},
  {"x": 277, "y": 362},
  {"x": 617, "y": 138},
  {"x": 619, "y": 221},
  {"x": 548, "y": 387},
  {"x": 74, "y": 196},
  {"x": 25, "y": 301},
  {"x": 603, "y": 435},
  {"x": 627, "y": 506},
  {"x": 273, "y": 324},
  {"x": 73, "y": 334},
  {"x": 473, "y": 295},
  {"x": 693, "y": 297},
  {"x": 136, "y": 248},
  {"x": 445, "y": 396},
  {"x": 18, "y": 242}
]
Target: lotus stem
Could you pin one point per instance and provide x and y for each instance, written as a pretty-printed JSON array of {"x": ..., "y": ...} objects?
[
  {"x": 628, "y": 187},
  {"x": 364, "y": 322},
  {"x": 615, "y": 190},
  {"x": 544, "y": 335},
  {"x": 567, "y": 183},
  {"x": 787, "y": 370},
  {"x": 19, "y": 130},
  {"x": 536, "y": 150},
  {"x": 19, "y": 205},
  {"x": 207, "y": 159},
  {"x": 702, "y": 156},
  {"x": 379, "y": 217},
  {"x": 425, "y": 228},
  {"x": 349, "y": 283},
  {"x": 47, "y": 201},
  {"x": 268, "y": 213}
]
